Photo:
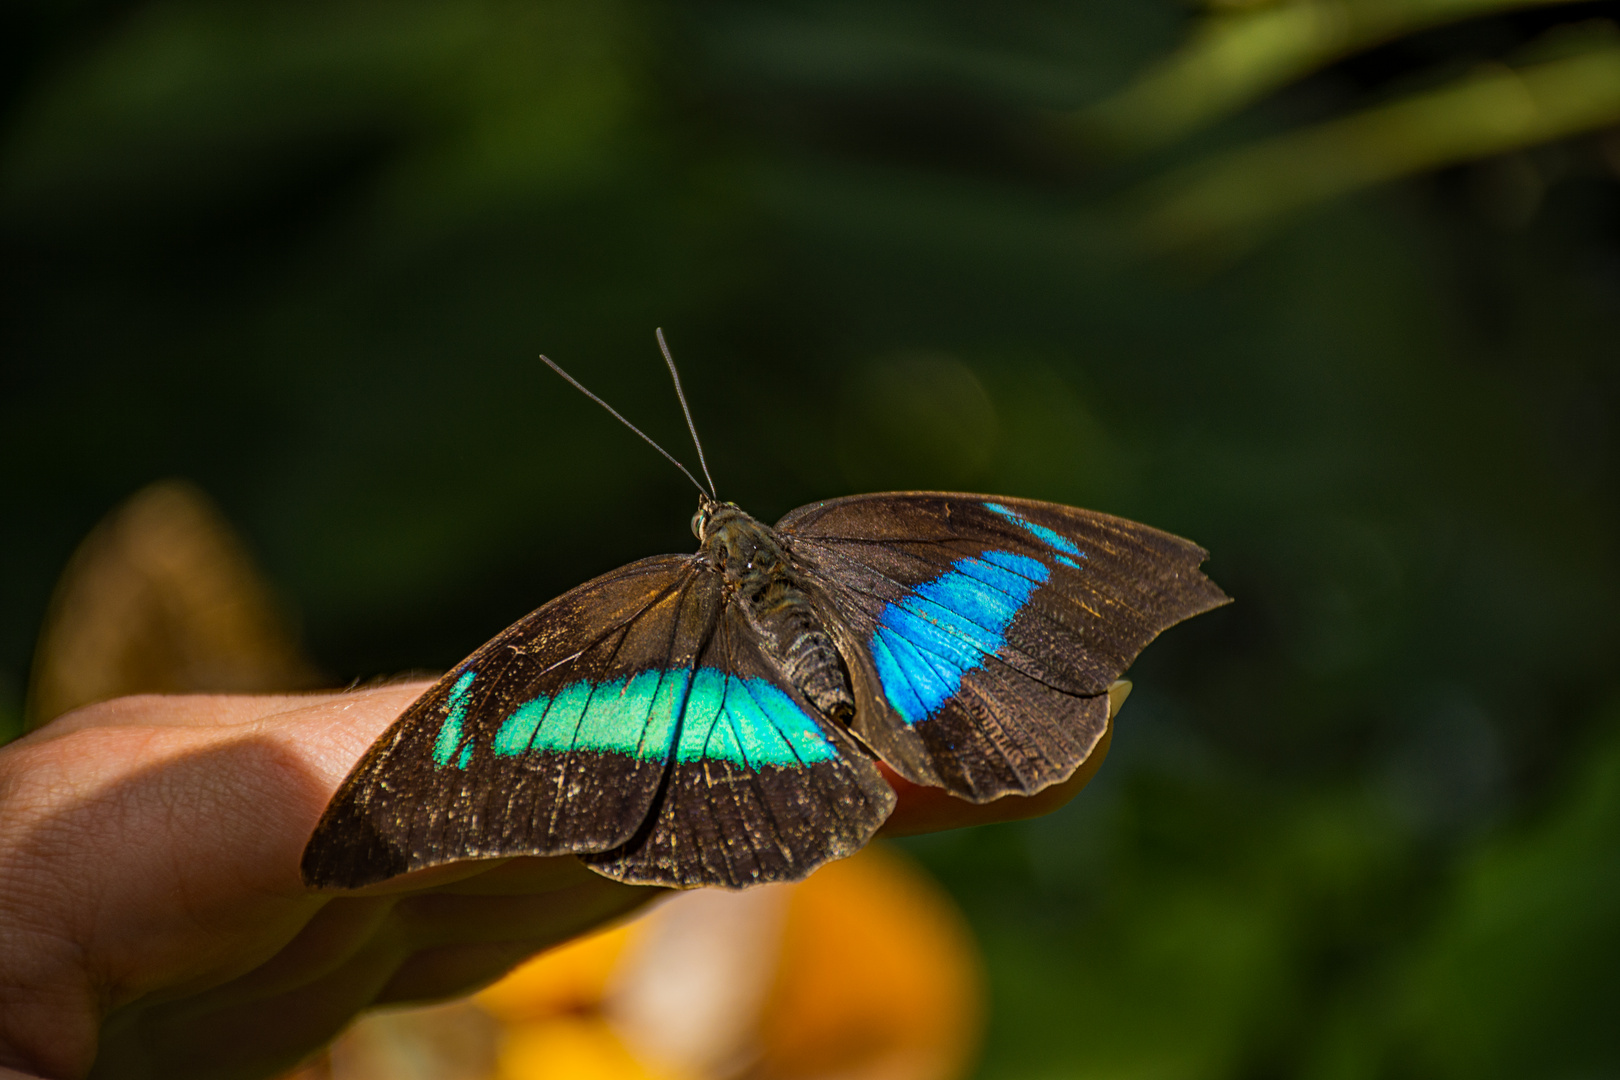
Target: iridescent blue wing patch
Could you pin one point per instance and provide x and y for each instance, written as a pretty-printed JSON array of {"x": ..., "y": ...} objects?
[
  {"x": 982, "y": 632},
  {"x": 929, "y": 639}
]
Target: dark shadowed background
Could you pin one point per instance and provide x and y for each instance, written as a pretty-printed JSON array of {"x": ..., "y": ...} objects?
[{"x": 1330, "y": 286}]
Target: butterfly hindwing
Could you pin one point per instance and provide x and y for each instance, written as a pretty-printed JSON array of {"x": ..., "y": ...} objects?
[
  {"x": 983, "y": 632},
  {"x": 553, "y": 737},
  {"x": 761, "y": 787}
]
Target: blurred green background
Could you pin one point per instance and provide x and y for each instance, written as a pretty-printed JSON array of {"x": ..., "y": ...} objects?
[{"x": 1330, "y": 286}]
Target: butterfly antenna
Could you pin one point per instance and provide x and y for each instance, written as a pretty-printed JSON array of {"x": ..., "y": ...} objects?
[
  {"x": 676, "y": 375},
  {"x": 581, "y": 388}
]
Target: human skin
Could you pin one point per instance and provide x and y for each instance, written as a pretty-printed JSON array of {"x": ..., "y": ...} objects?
[{"x": 153, "y": 921}]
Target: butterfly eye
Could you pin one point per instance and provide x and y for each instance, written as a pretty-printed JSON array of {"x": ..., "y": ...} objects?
[{"x": 697, "y": 523}]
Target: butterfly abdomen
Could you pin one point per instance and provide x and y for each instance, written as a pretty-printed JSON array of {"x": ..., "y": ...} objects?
[
  {"x": 796, "y": 641},
  {"x": 760, "y": 576}
]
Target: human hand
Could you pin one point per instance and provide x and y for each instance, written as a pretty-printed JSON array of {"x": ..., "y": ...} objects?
[{"x": 156, "y": 923}]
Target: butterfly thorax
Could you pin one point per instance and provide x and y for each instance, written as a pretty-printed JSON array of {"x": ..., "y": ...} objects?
[{"x": 760, "y": 578}]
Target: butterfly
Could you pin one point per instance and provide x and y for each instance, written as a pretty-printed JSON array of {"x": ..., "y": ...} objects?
[{"x": 718, "y": 718}]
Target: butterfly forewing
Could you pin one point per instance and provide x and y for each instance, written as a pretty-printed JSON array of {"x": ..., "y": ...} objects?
[
  {"x": 761, "y": 788},
  {"x": 552, "y": 738},
  {"x": 983, "y": 632}
]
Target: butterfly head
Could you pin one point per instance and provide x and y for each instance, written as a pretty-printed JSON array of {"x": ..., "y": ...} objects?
[{"x": 710, "y": 513}]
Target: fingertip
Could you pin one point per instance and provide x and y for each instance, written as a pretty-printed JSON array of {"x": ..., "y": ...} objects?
[
  {"x": 920, "y": 809},
  {"x": 333, "y": 731}
]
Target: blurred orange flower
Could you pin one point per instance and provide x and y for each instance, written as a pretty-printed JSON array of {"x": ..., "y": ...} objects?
[{"x": 865, "y": 971}]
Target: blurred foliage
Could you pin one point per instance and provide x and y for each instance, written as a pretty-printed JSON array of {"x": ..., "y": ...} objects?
[{"x": 1332, "y": 288}]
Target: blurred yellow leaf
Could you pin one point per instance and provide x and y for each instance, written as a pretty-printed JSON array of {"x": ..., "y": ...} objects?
[
  {"x": 1224, "y": 203},
  {"x": 162, "y": 597},
  {"x": 1236, "y": 57}
]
